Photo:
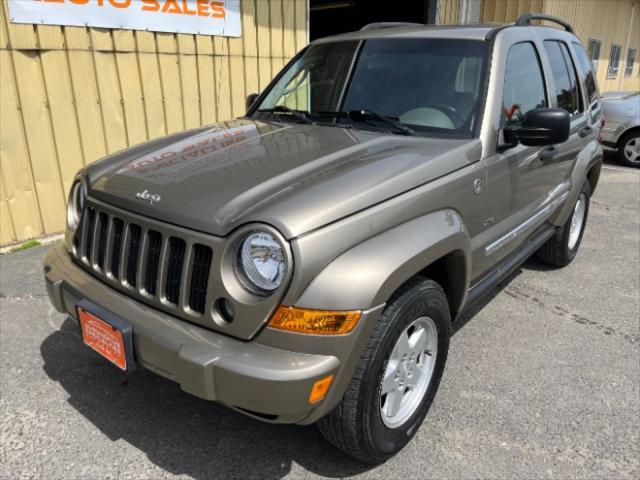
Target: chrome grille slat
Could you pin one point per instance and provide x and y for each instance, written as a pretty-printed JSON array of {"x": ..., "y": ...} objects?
[
  {"x": 151, "y": 264},
  {"x": 142, "y": 261},
  {"x": 133, "y": 254},
  {"x": 174, "y": 272},
  {"x": 116, "y": 252},
  {"x": 109, "y": 246},
  {"x": 163, "y": 267}
]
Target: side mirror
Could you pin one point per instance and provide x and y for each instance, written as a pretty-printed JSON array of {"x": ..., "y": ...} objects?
[
  {"x": 251, "y": 98},
  {"x": 539, "y": 127}
]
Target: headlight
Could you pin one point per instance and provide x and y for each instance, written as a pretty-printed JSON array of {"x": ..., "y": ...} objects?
[
  {"x": 75, "y": 204},
  {"x": 262, "y": 262}
]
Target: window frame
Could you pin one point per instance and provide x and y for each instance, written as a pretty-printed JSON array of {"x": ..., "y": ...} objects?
[
  {"x": 595, "y": 62},
  {"x": 612, "y": 72},
  {"x": 629, "y": 71},
  {"x": 542, "y": 75}
]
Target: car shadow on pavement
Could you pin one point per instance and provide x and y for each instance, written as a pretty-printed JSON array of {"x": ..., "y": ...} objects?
[{"x": 178, "y": 432}]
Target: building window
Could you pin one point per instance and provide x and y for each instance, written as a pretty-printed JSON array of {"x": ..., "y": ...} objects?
[
  {"x": 614, "y": 60},
  {"x": 593, "y": 49},
  {"x": 631, "y": 58}
]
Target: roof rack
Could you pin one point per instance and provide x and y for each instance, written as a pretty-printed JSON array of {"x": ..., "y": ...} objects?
[
  {"x": 525, "y": 20},
  {"x": 380, "y": 25}
]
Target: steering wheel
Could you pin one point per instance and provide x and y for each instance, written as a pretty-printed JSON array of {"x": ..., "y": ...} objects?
[{"x": 449, "y": 111}]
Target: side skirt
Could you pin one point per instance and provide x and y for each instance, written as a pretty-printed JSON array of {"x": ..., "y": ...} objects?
[{"x": 481, "y": 289}]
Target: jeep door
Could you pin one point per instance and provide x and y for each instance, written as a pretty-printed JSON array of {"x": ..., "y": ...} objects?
[{"x": 518, "y": 178}]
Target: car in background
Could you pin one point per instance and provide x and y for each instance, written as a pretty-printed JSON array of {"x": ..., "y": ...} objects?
[{"x": 621, "y": 129}]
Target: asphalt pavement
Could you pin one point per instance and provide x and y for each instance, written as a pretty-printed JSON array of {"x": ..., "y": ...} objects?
[{"x": 543, "y": 381}]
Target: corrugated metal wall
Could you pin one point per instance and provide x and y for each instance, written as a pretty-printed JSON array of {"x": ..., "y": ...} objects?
[
  {"x": 70, "y": 95},
  {"x": 604, "y": 20}
]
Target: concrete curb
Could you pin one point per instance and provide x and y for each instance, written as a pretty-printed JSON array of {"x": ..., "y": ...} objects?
[{"x": 48, "y": 240}]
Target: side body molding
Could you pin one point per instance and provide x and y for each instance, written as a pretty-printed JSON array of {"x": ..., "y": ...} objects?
[{"x": 366, "y": 275}]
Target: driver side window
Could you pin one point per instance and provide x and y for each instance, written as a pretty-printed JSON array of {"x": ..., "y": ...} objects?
[{"x": 523, "y": 84}]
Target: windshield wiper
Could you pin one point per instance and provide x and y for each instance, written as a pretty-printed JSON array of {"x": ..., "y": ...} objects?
[
  {"x": 281, "y": 109},
  {"x": 367, "y": 115}
]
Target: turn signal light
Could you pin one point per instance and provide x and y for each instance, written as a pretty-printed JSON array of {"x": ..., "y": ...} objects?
[
  {"x": 318, "y": 322},
  {"x": 320, "y": 389}
]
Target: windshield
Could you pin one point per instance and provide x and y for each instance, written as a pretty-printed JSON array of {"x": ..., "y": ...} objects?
[{"x": 432, "y": 86}]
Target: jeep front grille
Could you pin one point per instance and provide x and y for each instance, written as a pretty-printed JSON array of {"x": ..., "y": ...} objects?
[{"x": 167, "y": 268}]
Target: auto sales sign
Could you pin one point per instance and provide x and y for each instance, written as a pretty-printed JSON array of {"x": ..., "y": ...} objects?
[{"x": 206, "y": 17}]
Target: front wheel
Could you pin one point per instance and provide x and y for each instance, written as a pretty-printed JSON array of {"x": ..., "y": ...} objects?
[{"x": 397, "y": 376}]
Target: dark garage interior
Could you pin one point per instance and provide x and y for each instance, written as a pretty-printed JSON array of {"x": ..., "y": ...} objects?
[{"x": 331, "y": 17}]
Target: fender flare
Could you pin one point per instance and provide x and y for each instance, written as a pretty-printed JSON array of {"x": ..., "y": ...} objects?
[
  {"x": 367, "y": 274},
  {"x": 587, "y": 158}
]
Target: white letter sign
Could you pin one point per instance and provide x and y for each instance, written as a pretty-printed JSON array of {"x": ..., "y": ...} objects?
[{"x": 206, "y": 17}]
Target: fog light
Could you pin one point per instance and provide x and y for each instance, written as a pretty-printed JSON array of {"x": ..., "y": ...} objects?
[
  {"x": 320, "y": 389},
  {"x": 319, "y": 322}
]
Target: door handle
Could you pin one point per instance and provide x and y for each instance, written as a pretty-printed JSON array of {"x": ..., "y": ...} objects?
[
  {"x": 585, "y": 132},
  {"x": 548, "y": 152}
]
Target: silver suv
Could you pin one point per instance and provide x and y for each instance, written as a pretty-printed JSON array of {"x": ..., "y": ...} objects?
[{"x": 305, "y": 263}]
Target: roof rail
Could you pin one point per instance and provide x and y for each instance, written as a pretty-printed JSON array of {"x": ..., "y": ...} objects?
[
  {"x": 380, "y": 25},
  {"x": 525, "y": 20}
]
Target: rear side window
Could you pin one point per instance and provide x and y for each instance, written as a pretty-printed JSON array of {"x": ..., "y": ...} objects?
[
  {"x": 564, "y": 76},
  {"x": 588, "y": 73},
  {"x": 523, "y": 84}
]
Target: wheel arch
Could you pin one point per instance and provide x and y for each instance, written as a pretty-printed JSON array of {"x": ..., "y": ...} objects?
[{"x": 436, "y": 245}]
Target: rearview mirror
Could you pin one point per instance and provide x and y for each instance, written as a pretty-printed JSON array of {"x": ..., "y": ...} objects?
[
  {"x": 251, "y": 98},
  {"x": 539, "y": 127}
]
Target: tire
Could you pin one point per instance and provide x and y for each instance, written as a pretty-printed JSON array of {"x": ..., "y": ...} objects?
[
  {"x": 629, "y": 149},
  {"x": 357, "y": 425},
  {"x": 561, "y": 249}
]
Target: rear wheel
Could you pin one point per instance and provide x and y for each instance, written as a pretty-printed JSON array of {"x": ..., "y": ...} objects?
[
  {"x": 397, "y": 376},
  {"x": 629, "y": 149},
  {"x": 561, "y": 249}
]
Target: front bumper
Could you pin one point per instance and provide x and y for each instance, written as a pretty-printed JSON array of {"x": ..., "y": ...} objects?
[{"x": 257, "y": 379}]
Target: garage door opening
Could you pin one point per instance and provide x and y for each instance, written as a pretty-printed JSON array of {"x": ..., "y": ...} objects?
[{"x": 331, "y": 17}]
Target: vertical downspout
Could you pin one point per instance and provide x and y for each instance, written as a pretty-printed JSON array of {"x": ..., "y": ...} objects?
[{"x": 623, "y": 54}]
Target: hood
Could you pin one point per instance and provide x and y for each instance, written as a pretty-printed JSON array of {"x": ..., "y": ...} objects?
[{"x": 296, "y": 177}]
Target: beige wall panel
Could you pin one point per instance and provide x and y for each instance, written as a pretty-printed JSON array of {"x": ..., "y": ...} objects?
[
  {"x": 21, "y": 36},
  {"x": 301, "y": 24},
  {"x": 145, "y": 42},
  {"x": 251, "y": 75},
  {"x": 77, "y": 38},
  {"x": 131, "y": 85},
  {"x": 63, "y": 115},
  {"x": 124, "y": 40},
  {"x": 101, "y": 39},
  {"x": 263, "y": 30},
  {"x": 207, "y": 88},
  {"x": 152, "y": 91},
  {"x": 220, "y": 46},
  {"x": 249, "y": 30},
  {"x": 238, "y": 93},
  {"x": 50, "y": 37},
  {"x": 289, "y": 22},
  {"x": 7, "y": 234},
  {"x": 171, "y": 91},
  {"x": 204, "y": 45},
  {"x": 190, "y": 93},
  {"x": 87, "y": 104},
  {"x": 14, "y": 158},
  {"x": 4, "y": 37},
  {"x": 110, "y": 101},
  {"x": 38, "y": 130},
  {"x": 264, "y": 72},
  {"x": 223, "y": 88},
  {"x": 166, "y": 42},
  {"x": 277, "y": 34}
]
